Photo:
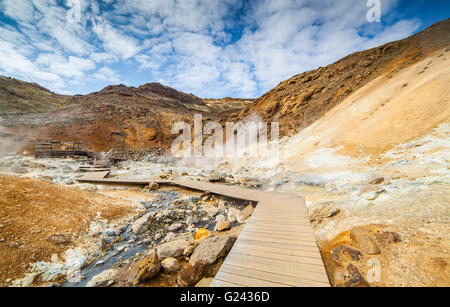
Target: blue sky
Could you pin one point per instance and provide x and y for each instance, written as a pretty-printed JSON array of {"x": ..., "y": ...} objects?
[{"x": 211, "y": 48}]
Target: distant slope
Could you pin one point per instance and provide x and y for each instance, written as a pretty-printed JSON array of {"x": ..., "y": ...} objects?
[
  {"x": 18, "y": 97},
  {"x": 118, "y": 115},
  {"x": 300, "y": 101}
]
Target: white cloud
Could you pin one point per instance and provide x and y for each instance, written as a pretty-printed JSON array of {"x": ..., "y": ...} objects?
[
  {"x": 115, "y": 42},
  {"x": 210, "y": 48},
  {"x": 13, "y": 63},
  {"x": 107, "y": 74},
  {"x": 72, "y": 67},
  {"x": 19, "y": 10}
]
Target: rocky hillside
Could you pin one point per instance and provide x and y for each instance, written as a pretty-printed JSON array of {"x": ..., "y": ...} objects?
[
  {"x": 22, "y": 97},
  {"x": 115, "y": 116},
  {"x": 374, "y": 167},
  {"x": 301, "y": 100}
]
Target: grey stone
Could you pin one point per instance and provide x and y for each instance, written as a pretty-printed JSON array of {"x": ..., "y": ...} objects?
[
  {"x": 142, "y": 223},
  {"x": 153, "y": 186},
  {"x": 175, "y": 227},
  {"x": 104, "y": 279},
  {"x": 170, "y": 265},
  {"x": 245, "y": 214},
  {"x": 211, "y": 249},
  {"x": 172, "y": 249}
]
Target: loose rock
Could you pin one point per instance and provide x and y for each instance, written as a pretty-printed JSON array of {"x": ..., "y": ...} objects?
[
  {"x": 245, "y": 214},
  {"x": 211, "y": 249},
  {"x": 153, "y": 186},
  {"x": 175, "y": 227},
  {"x": 222, "y": 225},
  {"x": 172, "y": 249},
  {"x": 104, "y": 279},
  {"x": 202, "y": 233},
  {"x": 191, "y": 273},
  {"x": 144, "y": 269},
  {"x": 232, "y": 214},
  {"x": 170, "y": 265},
  {"x": 142, "y": 223}
]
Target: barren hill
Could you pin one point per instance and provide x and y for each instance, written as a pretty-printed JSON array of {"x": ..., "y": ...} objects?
[{"x": 117, "y": 115}]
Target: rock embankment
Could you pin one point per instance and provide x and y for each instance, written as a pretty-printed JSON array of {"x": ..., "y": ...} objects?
[{"x": 185, "y": 242}]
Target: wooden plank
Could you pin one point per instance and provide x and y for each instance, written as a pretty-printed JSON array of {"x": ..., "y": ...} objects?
[
  {"x": 280, "y": 251},
  {"x": 287, "y": 241},
  {"x": 278, "y": 278},
  {"x": 313, "y": 260},
  {"x": 279, "y": 267},
  {"x": 277, "y": 245},
  {"x": 247, "y": 281}
]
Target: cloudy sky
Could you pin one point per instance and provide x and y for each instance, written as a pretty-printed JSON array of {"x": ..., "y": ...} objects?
[{"x": 212, "y": 48}]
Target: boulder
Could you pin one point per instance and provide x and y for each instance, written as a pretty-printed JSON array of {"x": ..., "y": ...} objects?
[
  {"x": 245, "y": 214},
  {"x": 206, "y": 195},
  {"x": 144, "y": 269},
  {"x": 142, "y": 223},
  {"x": 170, "y": 265},
  {"x": 104, "y": 279},
  {"x": 191, "y": 220},
  {"x": 153, "y": 186},
  {"x": 220, "y": 218},
  {"x": 201, "y": 233},
  {"x": 221, "y": 207},
  {"x": 172, "y": 249},
  {"x": 211, "y": 249},
  {"x": 171, "y": 236},
  {"x": 191, "y": 273},
  {"x": 222, "y": 225},
  {"x": 232, "y": 214},
  {"x": 210, "y": 209}
]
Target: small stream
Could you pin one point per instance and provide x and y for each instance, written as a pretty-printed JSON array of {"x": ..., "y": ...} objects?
[{"x": 129, "y": 245}]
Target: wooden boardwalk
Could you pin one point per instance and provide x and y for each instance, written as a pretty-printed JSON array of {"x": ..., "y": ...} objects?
[{"x": 276, "y": 248}]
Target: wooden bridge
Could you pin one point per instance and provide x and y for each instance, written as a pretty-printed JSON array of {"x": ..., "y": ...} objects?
[{"x": 276, "y": 248}]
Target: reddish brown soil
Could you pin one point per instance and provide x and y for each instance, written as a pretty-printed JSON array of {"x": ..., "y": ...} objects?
[{"x": 31, "y": 210}]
